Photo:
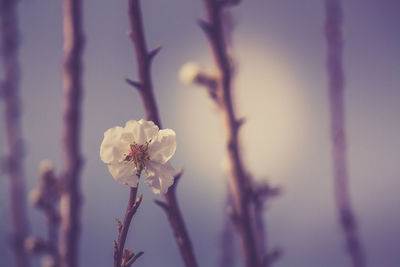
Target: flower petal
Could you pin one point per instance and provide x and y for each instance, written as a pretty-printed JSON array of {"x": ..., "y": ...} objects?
[
  {"x": 139, "y": 131},
  {"x": 163, "y": 147},
  {"x": 124, "y": 173},
  {"x": 113, "y": 146},
  {"x": 159, "y": 177}
]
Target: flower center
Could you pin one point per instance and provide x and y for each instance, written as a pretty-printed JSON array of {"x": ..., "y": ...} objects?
[{"x": 138, "y": 155}]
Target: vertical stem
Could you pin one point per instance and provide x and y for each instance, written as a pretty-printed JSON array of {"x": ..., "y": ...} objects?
[
  {"x": 260, "y": 229},
  {"x": 240, "y": 182},
  {"x": 339, "y": 149},
  {"x": 123, "y": 232},
  {"x": 144, "y": 58},
  {"x": 227, "y": 242},
  {"x": 178, "y": 226},
  {"x": 10, "y": 87},
  {"x": 72, "y": 162}
]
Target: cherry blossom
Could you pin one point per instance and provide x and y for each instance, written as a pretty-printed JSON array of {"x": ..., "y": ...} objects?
[{"x": 137, "y": 147}]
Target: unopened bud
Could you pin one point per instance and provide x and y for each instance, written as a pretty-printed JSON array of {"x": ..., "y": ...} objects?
[
  {"x": 34, "y": 244},
  {"x": 189, "y": 72},
  {"x": 35, "y": 196},
  {"x": 45, "y": 166}
]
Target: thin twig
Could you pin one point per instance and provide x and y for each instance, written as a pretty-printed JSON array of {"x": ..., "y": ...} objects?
[
  {"x": 14, "y": 144},
  {"x": 133, "y": 205},
  {"x": 334, "y": 41},
  {"x": 72, "y": 161},
  {"x": 144, "y": 59},
  {"x": 240, "y": 181}
]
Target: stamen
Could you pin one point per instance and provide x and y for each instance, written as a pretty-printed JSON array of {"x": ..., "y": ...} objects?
[{"x": 138, "y": 155}]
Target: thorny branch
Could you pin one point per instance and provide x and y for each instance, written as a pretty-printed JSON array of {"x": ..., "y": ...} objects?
[
  {"x": 333, "y": 33},
  {"x": 246, "y": 205},
  {"x": 124, "y": 257},
  {"x": 14, "y": 144},
  {"x": 70, "y": 205},
  {"x": 144, "y": 59}
]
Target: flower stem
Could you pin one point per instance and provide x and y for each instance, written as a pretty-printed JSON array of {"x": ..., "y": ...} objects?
[
  {"x": 333, "y": 33},
  {"x": 133, "y": 205}
]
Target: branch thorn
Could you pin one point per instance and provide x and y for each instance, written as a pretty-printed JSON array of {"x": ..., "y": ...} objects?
[
  {"x": 154, "y": 52},
  {"x": 240, "y": 122},
  {"x": 162, "y": 204},
  {"x": 272, "y": 257},
  {"x": 133, "y": 83},
  {"x": 133, "y": 259},
  {"x": 205, "y": 26},
  {"x": 178, "y": 176}
]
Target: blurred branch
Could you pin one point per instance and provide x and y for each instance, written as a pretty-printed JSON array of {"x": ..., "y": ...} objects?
[
  {"x": 333, "y": 33},
  {"x": 13, "y": 142},
  {"x": 144, "y": 59},
  {"x": 263, "y": 192},
  {"x": 37, "y": 245},
  {"x": 227, "y": 241},
  {"x": 72, "y": 161},
  {"x": 171, "y": 207},
  {"x": 240, "y": 182},
  {"x": 46, "y": 197},
  {"x": 124, "y": 257}
]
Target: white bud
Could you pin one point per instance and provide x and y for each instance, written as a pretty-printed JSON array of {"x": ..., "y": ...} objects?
[
  {"x": 45, "y": 166},
  {"x": 188, "y": 72},
  {"x": 35, "y": 196}
]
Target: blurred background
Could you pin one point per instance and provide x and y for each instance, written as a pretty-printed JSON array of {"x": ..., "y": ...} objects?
[{"x": 281, "y": 88}]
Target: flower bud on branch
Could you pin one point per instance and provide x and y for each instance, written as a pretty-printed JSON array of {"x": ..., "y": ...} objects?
[{"x": 190, "y": 73}]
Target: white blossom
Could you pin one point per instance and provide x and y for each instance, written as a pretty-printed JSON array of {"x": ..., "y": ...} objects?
[
  {"x": 189, "y": 72},
  {"x": 137, "y": 147}
]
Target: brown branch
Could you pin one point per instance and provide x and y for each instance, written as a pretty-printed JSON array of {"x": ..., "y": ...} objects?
[
  {"x": 72, "y": 161},
  {"x": 14, "y": 144},
  {"x": 144, "y": 58},
  {"x": 262, "y": 193},
  {"x": 178, "y": 225},
  {"x": 240, "y": 181},
  {"x": 333, "y": 33},
  {"x": 133, "y": 205}
]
